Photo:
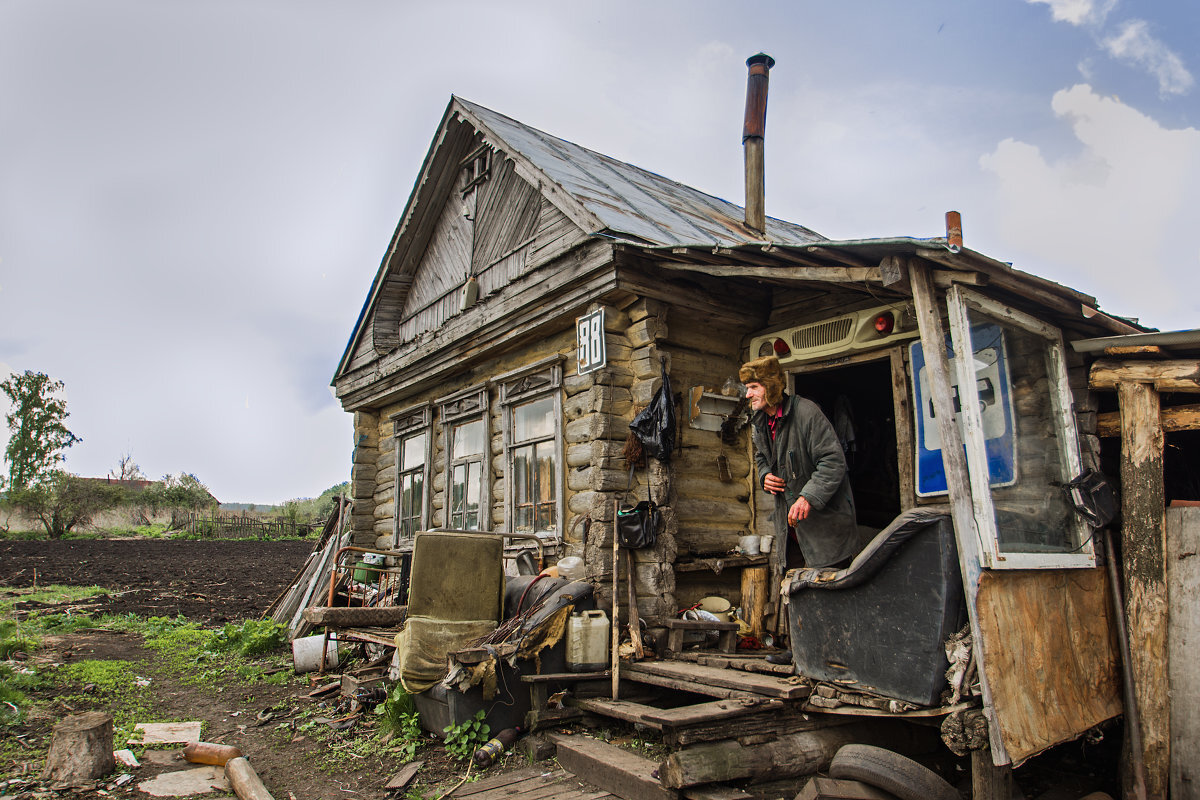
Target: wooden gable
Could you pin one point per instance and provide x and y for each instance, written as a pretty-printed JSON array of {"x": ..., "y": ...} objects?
[{"x": 486, "y": 230}]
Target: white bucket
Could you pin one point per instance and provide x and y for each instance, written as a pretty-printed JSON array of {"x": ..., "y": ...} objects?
[
  {"x": 306, "y": 653},
  {"x": 748, "y": 545}
]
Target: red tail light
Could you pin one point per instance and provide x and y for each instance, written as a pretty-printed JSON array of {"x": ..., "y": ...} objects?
[{"x": 885, "y": 323}]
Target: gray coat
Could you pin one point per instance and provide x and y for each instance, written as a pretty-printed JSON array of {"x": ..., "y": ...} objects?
[{"x": 807, "y": 455}]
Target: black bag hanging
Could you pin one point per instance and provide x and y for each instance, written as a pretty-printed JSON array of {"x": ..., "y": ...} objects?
[
  {"x": 637, "y": 526},
  {"x": 1093, "y": 498},
  {"x": 654, "y": 425}
]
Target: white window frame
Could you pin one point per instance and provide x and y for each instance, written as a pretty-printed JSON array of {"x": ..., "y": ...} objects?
[
  {"x": 468, "y": 405},
  {"x": 533, "y": 382},
  {"x": 406, "y": 424},
  {"x": 960, "y": 301}
]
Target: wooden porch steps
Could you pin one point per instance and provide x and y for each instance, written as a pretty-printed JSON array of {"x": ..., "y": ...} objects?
[
  {"x": 608, "y": 767},
  {"x": 530, "y": 784},
  {"x": 714, "y": 681},
  {"x": 665, "y": 718}
]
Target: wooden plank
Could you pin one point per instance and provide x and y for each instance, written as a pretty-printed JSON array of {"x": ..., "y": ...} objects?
[
  {"x": 684, "y": 685},
  {"x": 780, "y": 273},
  {"x": 508, "y": 779},
  {"x": 1049, "y": 642},
  {"x": 768, "y": 724},
  {"x": 1143, "y": 550},
  {"x": 1183, "y": 641},
  {"x": 618, "y": 709},
  {"x": 1172, "y": 419},
  {"x": 1175, "y": 375},
  {"x": 717, "y": 792},
  {"x": 608, "y": 767},
  {"x": 766, "y": 685},
  {"x": 709, "y": 712},
  {"x": 821, "y": 788},
  {"x": 905, "y": 446}
]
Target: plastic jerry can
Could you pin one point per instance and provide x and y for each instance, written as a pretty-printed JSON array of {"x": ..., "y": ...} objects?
[{"x": 587, "y": 642}]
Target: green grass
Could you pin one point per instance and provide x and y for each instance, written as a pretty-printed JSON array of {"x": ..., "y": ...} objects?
[
  {"x": 201, "y": 656},
  {"x": 112, "y": 686}
]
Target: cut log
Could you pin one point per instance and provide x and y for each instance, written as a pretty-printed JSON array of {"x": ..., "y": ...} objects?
[
  {"x": 786, "y": 757},
  {"x": 356, "y": 616},
  {"x": 245, "y": 780},
  {"x": 754, "y": 598},
  {"x": 81, "y": 750}
]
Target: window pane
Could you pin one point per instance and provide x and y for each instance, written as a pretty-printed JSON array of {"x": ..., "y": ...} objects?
[
  {"x": 533, "y": 420},
  {"x": 411, "y": 499},
  {"x": 412, "y": 452},
  {"x": 467, "y": 439},
  {"x": 1033, "y": 514},
  {"x": 534, "y": 487}
]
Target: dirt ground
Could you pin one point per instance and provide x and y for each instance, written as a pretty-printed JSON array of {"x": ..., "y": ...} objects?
[{"x": 212, "y": 583}]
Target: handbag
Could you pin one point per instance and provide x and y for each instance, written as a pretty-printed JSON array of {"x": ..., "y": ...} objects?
[{"x": 637, "y": 526}]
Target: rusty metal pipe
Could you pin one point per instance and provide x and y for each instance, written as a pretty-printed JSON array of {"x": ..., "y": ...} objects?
[{"x": 754, "y": 130}]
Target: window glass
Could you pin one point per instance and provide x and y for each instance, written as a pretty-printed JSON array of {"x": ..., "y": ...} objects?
[
  {"x": 467, "y": 439},
  {"x": 412, "y": 452},
  {"x": 1033, "y": 514},
  {"x": 411, "y": 482},
  {"x": 534, "y": 489},
  {"x": 533, "y": 420},
  {"x": 464, "y": 496}
]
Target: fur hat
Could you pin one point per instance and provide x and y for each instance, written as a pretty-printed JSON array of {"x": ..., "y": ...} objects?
[{"x": 765, "y": 370}]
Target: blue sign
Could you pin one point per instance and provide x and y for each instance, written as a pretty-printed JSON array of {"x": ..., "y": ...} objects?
[{"x": 995, "y": 396}]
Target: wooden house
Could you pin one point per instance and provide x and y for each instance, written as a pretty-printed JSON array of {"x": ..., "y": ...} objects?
[{"x": 479, "y": 404}]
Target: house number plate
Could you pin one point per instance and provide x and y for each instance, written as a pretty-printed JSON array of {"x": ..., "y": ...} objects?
[{"x": 589, "y": 340}]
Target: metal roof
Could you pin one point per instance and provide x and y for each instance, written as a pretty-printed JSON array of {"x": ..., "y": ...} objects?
[{"x": 630, "y": 202}]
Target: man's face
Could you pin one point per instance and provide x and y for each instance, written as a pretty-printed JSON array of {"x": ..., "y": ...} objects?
[{"x": 757, "y": 395}]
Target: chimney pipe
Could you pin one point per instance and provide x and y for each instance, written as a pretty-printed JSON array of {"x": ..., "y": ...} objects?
[{"x": 753, "y": 131}]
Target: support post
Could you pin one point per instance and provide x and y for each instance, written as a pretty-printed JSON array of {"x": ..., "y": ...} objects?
[{"x": 1143, "y": 545}]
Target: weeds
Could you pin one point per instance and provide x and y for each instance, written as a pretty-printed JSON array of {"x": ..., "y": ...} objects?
[
  {"x": 463, "y": 739},
  {"x": 113, "y": 686},
  {"x": 201, "y": 656}
]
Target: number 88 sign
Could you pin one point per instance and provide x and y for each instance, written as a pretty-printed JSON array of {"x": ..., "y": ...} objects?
[{"x": 589, "y": 341}]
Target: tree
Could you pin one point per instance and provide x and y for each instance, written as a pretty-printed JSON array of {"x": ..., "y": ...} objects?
[
  {"x": 127, "y": 470},
  {"x": 62, "y": 501},
  {"x": 37, "y": 433},
  {"x": 184, "y": 492}
]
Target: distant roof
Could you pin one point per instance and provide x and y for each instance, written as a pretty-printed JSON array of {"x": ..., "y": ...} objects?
[{"x": 630, "y": 202}]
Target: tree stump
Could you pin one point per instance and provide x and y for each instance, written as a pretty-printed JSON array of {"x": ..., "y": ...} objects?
[{"x": 81, "y": 750}]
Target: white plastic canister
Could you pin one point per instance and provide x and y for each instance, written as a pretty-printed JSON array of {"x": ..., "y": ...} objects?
[{"x": 587, "y": 642}]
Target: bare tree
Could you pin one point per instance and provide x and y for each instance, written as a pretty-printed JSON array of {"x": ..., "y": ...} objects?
[{"x": 127, "y": 470}]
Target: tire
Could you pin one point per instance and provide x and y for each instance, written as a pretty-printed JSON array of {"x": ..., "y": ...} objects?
[{"x": 892, "y": 772}]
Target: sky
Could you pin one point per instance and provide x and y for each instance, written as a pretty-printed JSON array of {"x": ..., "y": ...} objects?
[{"x": 195, "y": 196}]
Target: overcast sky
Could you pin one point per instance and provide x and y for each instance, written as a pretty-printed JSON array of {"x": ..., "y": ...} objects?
[{"x": 195, "y": 196}]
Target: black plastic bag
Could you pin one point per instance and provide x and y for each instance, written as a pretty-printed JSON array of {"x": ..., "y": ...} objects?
[{"x": 654, "y": 426}]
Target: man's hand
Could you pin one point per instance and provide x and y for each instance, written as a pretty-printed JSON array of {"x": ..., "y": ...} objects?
[
  {"x": 773, "y": 483},
  {"x": 798, "y": 511}
]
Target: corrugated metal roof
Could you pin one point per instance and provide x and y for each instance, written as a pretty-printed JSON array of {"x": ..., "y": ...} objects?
[{"x": 630, "y": 201}]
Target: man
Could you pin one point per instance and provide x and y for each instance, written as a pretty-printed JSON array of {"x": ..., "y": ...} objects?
[{"x": 800, "y": 461}]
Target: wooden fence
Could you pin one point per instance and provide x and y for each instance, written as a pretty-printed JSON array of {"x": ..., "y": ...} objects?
[{"x": 233, "y": 526}]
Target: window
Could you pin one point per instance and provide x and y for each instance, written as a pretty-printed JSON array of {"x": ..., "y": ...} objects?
[
  {"x": 464, "y": 417},
  {"x": 532, "y": 409},
  {"x": 1025, "y": 520},
  {"x": 411, "y": 430}
]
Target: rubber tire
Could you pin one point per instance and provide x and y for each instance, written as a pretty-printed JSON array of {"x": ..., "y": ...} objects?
[{"x": 892, "y": 772}]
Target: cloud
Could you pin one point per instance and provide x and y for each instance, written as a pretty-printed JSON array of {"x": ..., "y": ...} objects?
[
  {"x": 1078, "y": 12},
  {"x": 1134, "y": 44},
  {"x": 1114, "y": 217}
]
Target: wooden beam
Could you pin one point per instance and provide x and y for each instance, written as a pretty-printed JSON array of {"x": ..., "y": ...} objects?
[
  {"x": 1152, "y": 350},
  {"x": 1173, "y": 420},
  {"x": 1165, "y": 376},
  {"x": 954, "y": 460},
  {"x": 780, "y": 273},
  {"x": 1143, "y": 548}
]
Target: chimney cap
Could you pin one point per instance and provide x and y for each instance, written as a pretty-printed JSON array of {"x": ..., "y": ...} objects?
[{"x": 760, "y": 58}]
